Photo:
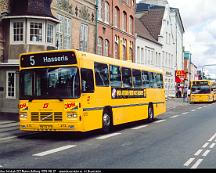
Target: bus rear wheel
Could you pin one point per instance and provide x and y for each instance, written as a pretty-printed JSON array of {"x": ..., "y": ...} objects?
[
  {"x": 106, "y": 122},
  {"x": 150, "y": 113}
]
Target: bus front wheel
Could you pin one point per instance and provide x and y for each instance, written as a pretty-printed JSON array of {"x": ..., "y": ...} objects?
[
  {"x": 106, "y": 122},
  {"x": 150, "y": 113}
]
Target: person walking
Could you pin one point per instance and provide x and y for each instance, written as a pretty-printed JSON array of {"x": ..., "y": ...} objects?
[
  {"x": 185, "y": 94},
  {"x": 188, "y": 94}
]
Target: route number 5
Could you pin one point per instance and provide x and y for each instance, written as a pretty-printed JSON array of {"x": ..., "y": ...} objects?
[{"x": 32, "y": 61}]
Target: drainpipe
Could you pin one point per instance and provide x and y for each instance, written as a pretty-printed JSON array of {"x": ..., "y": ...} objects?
[{"x": 96, "y": 33}]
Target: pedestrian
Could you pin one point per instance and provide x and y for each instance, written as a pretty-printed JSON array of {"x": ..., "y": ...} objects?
[
  {"x": 188, "y": 94},
  {"x": 185, "y": 94}
]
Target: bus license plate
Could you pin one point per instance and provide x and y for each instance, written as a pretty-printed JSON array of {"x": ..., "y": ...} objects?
[{"x": 46, "y": 127}]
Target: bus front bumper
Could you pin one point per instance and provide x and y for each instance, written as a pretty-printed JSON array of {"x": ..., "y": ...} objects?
[{"x": 51, "y": 127}]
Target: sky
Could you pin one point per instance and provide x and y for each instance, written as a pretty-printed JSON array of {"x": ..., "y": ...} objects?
[{"x": 199, "y": 20}]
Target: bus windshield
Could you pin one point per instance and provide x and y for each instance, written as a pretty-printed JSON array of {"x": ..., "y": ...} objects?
[
  {"x": 50, "y": 83},
  {"x": 203, "y": 89}
]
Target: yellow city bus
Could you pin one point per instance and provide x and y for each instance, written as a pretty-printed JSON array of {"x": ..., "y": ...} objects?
[
  {"x": 203, "y": 91},
  {"x": 70, "y": 90}
]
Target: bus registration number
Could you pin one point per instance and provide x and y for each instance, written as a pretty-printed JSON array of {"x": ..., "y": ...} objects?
[{"x": 46, "y": 127}]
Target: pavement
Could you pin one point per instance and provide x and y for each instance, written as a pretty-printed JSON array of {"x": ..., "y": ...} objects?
[{"x": 9, "y": 123}]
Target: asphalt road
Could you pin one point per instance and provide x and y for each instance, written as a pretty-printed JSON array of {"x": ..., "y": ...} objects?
[{"x": 184, "y": 137}]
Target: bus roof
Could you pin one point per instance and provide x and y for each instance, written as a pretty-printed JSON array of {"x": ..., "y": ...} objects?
[{"x": 97, "y": 58}]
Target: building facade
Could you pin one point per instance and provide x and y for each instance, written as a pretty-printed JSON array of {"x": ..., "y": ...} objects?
[
  {"x": 115, "y": 29},
  {"x": 165, "y": 25}
]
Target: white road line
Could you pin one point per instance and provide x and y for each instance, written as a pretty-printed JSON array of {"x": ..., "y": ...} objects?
[
  {"x": 199, "y": 107},
  {"x": 54, "y": 150},
  {"x": 175, "y": 116},
  {"x": 1, "y": 166},
  {"x": 185, "y": 113},
  {"x": 139, "y": 127},
  {"x": 193, "y": 110},
  {"x": 212, "y": 138},
  {"x": 108, "y": 136},
  {"x": 189, "y": 162},
  {"x": 205, "y": 145},
  {"x": 8, "y": 138},
  {"x": 206, "y": 153},
  {"x": 197, "y": 163},
  {"x": 159, "y": 121},
  {"x": 198, "y": 152},
  {"x": 212, "y": 145}
]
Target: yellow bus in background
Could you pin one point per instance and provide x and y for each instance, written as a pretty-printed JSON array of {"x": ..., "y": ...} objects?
[
  {"x": 203, "y": 91},
  {"x": 70, "y": 90}
]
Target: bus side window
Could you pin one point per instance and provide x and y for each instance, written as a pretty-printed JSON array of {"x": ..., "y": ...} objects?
[
  {"x": 115, "y": 76},
  {"x": 137, "y": 82},
  {"x": 151, "y": 80},
  {"x": 145, "y": 79},
  {"x": 87, "y": 80},
  {"x": 159, "y": 80},
  {"x": 126, "y": 77},
  {"x": 101, "y": 74}
]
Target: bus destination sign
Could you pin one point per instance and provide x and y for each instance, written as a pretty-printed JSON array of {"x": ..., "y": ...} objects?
[{"x": 48, "y": 59}]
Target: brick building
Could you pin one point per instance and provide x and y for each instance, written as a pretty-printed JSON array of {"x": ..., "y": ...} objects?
[{"x": 115, "y": 29}]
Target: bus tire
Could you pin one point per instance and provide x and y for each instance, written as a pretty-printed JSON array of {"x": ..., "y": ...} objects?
[
  {"x": 106, "y": 121},
  {"x": 150, "y": 113}
]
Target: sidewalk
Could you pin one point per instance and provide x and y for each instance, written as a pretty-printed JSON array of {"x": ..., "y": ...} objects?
[{"x": 172, "y": 103}]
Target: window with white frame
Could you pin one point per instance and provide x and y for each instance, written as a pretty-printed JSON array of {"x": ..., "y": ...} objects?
[
  {"x": 107, "y": 12},
  {"x": 106, "y": 47},
  {"x": 36, "y": 31},
  {"x": 124, "y": 49},
  {"x": 138, "y": 55},
  {"x": 131, "y": 25},
  {"x": 63, "y": 32},
  {"x": 131, "y": 51},
  {"x": 100, "y": 46},
  {"x": 17, "y": 31},
  {"x": 117, "y": 17},
  {"x": 116, "y": 48},
  {"x": 83, "y": 37},
  {"x": 100, "y": 10},
  {"x": 11, "y": 84},
  {"x": 124, "y": 21},
  {"x": 50, "y": 32}
]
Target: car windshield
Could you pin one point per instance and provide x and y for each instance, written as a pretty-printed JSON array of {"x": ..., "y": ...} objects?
[
  {"x": 50, "y": 83},
  {"x": 205, "y": 89}
]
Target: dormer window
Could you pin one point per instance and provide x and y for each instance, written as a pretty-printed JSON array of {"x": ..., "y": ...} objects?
[
  {"x": 32, "y": 31},
  {"x": 17, "y": 31},
  {"x": 36, "y": 32}
]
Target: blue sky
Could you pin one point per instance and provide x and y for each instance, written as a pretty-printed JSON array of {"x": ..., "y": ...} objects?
[{"x": 199, "y": 20}]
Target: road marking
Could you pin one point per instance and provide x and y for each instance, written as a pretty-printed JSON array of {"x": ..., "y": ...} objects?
[
  {"x": 159, "y": 121},
  {"x": 140, "y": 127},
  {"x": 1, "y": 166},
  {"x": 54, "y": 150},
  {"x": 175, "y": 116},
  {"x": 205, "y": 145},
  {"x": 189, "y": 162},
  {"x": 211, "y": 139},
  {"x": 199, "y": 107},
  {"x": 212, "y": 145},
  {"x": 185, "y": 113},
  {"x": 193, "y": 110},
  {"x": 8, "y": 138},
  {"x": 108, "y": 136},
  {"x": 198, "y": 152},
  {"x": 197, "y": 163},
  {"x": 206, "y": 153}
]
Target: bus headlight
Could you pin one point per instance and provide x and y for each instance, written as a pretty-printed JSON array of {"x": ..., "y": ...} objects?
[
  {"x": 72, "y": 115},
  {"x": 23, "y": 115}
]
